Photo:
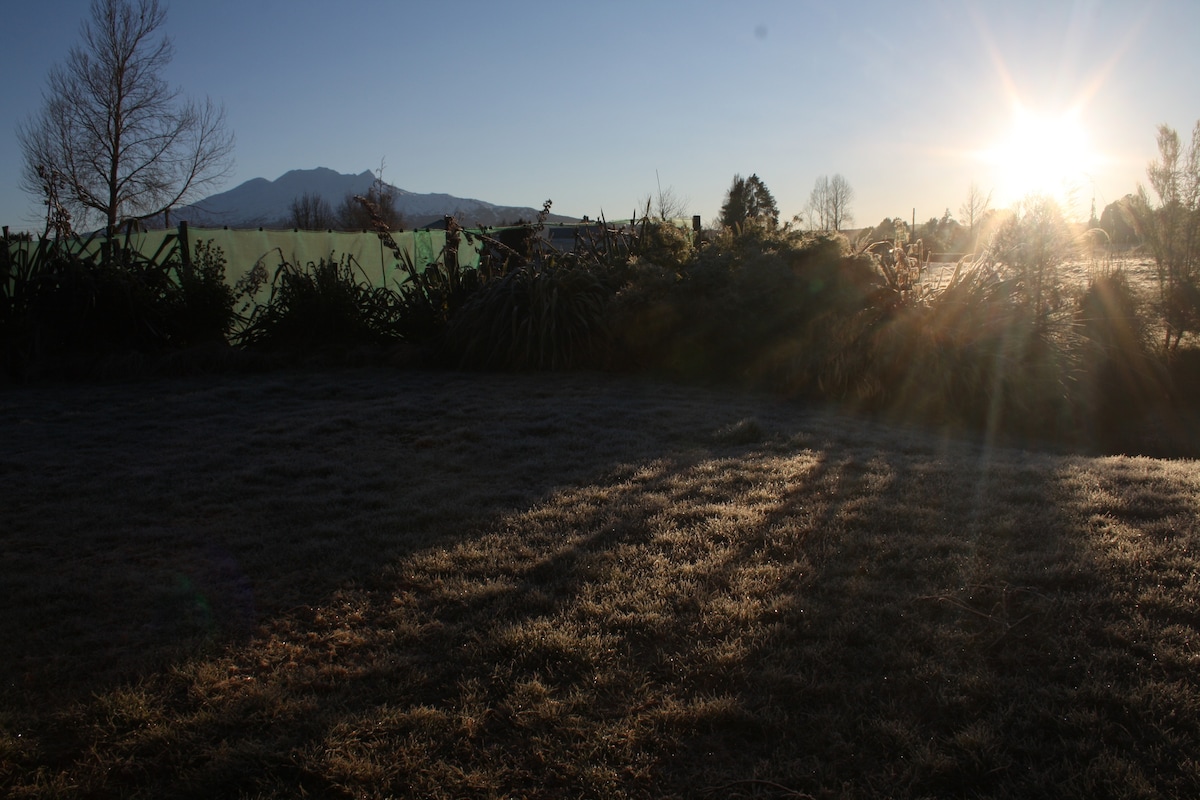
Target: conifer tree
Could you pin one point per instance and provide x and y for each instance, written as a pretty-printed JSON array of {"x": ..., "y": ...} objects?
[{"x": 749, "y": 201}]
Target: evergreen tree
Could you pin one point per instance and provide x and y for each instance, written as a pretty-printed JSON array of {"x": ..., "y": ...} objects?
[
  {"x": 733, "y": 212},
  {"x": 749, "y": 201},
  {"x": 760, "y": 202}
]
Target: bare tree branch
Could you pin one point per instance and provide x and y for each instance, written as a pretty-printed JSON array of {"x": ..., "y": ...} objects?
[
  {"x": 974, "y": 208},
  {"x": 829, "y": 203},
  {"x": 126, "y": 145}
]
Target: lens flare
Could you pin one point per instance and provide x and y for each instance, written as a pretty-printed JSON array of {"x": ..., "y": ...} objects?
[{"x": 1043, "y": 154}]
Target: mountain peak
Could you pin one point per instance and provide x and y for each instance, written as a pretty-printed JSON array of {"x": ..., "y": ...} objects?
[{"x": 263, "y": 203}]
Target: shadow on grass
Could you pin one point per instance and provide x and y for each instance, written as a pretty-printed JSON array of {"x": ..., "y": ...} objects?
[{"x": 618, "y": 592}]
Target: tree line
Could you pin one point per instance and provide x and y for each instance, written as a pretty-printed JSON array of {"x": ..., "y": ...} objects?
[{"x": 312, "y": 212}]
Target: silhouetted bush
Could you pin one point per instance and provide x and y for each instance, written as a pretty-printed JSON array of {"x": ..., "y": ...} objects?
[
  {"x": 1122, "y": 378},
  {"x": 86, "y": 309},
  {"x": 1003, "y": 347},
  {"x": 202, "y": 311},
  {"x": 541, "y": 315},
  {"x": 70, "y": 306},
  {"x": 324, "y": 306},
  {"x": 1183, "y": 368},
  {"x": 726, "y": 314}
]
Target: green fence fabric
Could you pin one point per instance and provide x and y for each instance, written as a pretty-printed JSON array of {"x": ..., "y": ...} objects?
[
  {"x": 243, "y": 249},
  {"x": 376, "y": 262}
]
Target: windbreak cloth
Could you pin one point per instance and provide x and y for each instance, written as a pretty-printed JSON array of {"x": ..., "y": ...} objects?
[{"x": 373, "y": 261}]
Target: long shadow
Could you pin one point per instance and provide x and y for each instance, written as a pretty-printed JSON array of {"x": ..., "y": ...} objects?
[
  {"x": 679, "y": 607},
  {"x": 219, "y": 487},
  {"x": 964, "y": 635},
  {"x": 152, "y": 523}
]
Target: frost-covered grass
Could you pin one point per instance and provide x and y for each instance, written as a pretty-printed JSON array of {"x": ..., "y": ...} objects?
[{"x": 371, "y": 583}]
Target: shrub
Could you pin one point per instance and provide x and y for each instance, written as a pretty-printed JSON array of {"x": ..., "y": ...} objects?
[
  {"x": 644, "y": 313},
  {"x": 85, "y": 307},
  {"x": 541, "y": 315},
  {"x": 541, "y": 309},
  {"x": 1123, "y": 378},
  {"x": 203, "y": 308},
  {"x": 327, "y": 305},
  {"x": 752, "y": 305},
  {"x": 1015, "y": 363},
  {"x": 1183, "y": 367},
  {"x": 663, "y": 244},
  {"x": 973, "y": 355},
  {"x": 68, "y": 303},
  {"x": 1031, "y": 245},
  {"x": 21, "y": 266}
]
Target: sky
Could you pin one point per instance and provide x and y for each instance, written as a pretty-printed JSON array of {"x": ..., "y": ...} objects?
[{"x": 598, "y": 106}]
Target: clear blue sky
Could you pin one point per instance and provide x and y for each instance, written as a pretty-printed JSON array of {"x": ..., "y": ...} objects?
[{"x": 595, "y": 105}]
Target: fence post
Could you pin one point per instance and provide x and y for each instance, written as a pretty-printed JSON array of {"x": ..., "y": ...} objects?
[{"x": 185, "y": 252}]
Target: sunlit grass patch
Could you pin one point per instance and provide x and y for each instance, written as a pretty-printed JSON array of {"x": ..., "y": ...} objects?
[{"x": 374, "y": 584}]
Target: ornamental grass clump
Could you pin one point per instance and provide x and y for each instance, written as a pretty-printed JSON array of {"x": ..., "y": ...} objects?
[
  {"x": 542, "y": 316},
  {"x": 329, "y": 304}
]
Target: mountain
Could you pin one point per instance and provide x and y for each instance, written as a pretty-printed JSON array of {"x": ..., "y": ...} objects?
[{"x": 263, "y": 203}]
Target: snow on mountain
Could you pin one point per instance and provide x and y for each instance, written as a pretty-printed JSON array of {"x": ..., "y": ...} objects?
[{"x": 263, "y": 203}]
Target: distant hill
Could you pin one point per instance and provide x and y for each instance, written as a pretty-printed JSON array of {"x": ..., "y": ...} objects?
[{"x": 263, "y": 203}]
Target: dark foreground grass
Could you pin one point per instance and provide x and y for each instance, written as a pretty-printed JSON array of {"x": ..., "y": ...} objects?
[{"x": 376, "y": 583}]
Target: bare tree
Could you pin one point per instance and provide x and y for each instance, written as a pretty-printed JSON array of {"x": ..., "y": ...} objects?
[
  {"x": 818, "y": 205},
  {"x": 841, "y": 194},
  {"x": 1172, "y": 229},
  {"x": 829, "y": 203},
  {"x": 311, "y": 212},
  {"x": 352, "y": 215},
  {"x": 666, "y": 204},
  {"x": 127, "y": 145},
  {"x": 974, "y": 208}
]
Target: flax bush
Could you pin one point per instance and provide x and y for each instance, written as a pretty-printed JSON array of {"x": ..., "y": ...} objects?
[
  {"x": 21, "y": 264},
  {"x": 542, "y": 316},
  {"x": 322, "y": 306},
  {"x": 89, "y": 308}
]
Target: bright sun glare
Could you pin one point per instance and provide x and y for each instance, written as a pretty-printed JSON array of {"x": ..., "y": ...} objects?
[{"x": 1043, "y": 154}]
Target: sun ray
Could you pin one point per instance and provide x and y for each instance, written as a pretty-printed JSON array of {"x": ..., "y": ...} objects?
[
  {"x": 1042, "y": 154},
  {"x": 1046, "y": 148}
]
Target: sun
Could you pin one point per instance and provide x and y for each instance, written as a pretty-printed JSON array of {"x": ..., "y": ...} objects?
[{"x": 1042, "y": 154}]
